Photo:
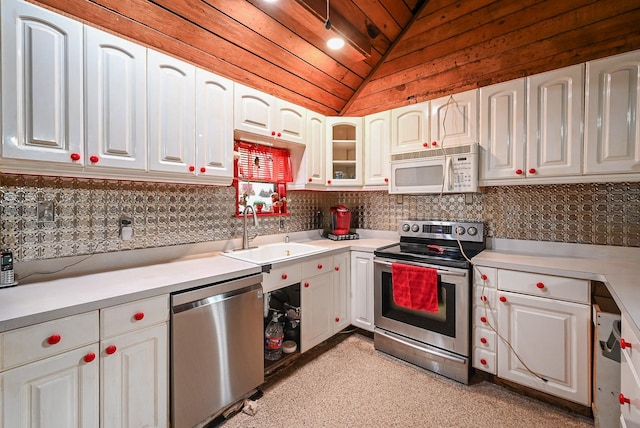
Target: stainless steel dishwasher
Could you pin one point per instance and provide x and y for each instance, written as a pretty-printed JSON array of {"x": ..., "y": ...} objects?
[{"x": 217, "y": 337}]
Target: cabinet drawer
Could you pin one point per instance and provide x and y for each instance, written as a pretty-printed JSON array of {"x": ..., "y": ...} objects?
[
  {"x": 317, "y": 266},
  {"x": 127, "y": 317},
  {"x": 630, "y": 389},
  {"x": 484, "y": 360},
  {"x": 484, "y": 318},
  {"x": 281, "y": 277},
  {"x": 555, "y": 287},
  {"x": 484, "y": 338},
  {"x": 489, "y": 296},
  {"x": 42, "y": 340},
  {"x": 631, "y": 345},
  {"x": 485, "y": 276}
]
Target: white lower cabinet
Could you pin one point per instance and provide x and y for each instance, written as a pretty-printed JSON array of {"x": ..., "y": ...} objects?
[
  {"x": 51, "y": 375},
  {"x": 362, "y": 290},
  {"x": 534, "y": 330},
  {"x": 324, "y": 299},
  {"x": 629, "y": 376},
  {"x": 134, "y": 365}
]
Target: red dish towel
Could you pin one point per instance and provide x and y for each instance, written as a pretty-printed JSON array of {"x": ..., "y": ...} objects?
[{"x": 415, "y": 287}]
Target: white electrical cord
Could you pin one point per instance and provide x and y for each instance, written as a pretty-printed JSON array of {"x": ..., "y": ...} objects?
[{"x": 485, "y": 305}]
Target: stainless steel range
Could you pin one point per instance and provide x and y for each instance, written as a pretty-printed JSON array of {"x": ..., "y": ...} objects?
[{"x": 437, "y": 339}]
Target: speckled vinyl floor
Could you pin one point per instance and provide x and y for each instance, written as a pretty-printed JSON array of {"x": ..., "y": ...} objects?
[{"x": 352, "y": 385}]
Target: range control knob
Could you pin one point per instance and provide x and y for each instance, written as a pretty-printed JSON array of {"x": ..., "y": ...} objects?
[
  {"x": 415, "y": 228},
  {"x": 472, "y": 231},
  {"x": 405, "y": 227},
  {"x": 460, "y": 230}
]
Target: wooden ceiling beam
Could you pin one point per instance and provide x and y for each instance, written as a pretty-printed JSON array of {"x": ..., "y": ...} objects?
[{"x": 339, "y": 24}]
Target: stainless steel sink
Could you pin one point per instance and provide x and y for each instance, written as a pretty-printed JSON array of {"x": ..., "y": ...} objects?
[{"x": 272, "y": 253}]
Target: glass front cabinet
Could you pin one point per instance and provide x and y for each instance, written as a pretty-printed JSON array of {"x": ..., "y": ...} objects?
[{"x": 344, "y": 151}]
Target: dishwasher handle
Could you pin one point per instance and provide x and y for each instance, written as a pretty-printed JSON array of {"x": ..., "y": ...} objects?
[{"x": 209, "y": 294}]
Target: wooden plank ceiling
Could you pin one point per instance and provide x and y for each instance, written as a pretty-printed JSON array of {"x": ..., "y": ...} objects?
[{"x": 398, "y": 50}]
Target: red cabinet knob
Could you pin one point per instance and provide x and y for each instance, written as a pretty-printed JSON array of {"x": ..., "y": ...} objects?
[
  {"x": 337, "y": 319},
  {"x": 434, "y": 143},
  {"x": 89, "y": 357},
  {"x": 203, "y": 169},
  {"x": 540, "y": 285},
  {"x": 192, "y": 168},
  {"x": 623, "y": 400},
  {"x": 483, "y": 298},
  {"x": 273, "y": 133},
  {"x": 306, "y": 284},
  {"x": 138, "y": 316},
  {"x": 310, "y": 179},
  {"x": 503, "y": 299},
  {"x": 425, "y": 144},
  {"x": 53, "y": 339},
  {"x": 483, "y": 319},
  {"x": 75, "y": 156},
  {"x": 94, "y": 159},
  {"x": 519, "y": 171},
  {"x": 111, "y": 349},
  {"x": 279, "y": 134},
  {"x": 386, "y": 180},
  {"x": 624, "y": 344},
  {"x": 484, "y": 277},
  {"x": 328, "y": 181},
  {"x": 337, "y": 268},
  {"x": 532, "y": 171},
  {"x": 319, "y": 265},
  {"x": 483, "y": 340},
  {"x": 284, "y": 276},
  {"x": 483, "y": 361}
]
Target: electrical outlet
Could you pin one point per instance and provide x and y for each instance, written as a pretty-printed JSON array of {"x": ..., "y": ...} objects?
[
  {"x": 45, "y": 212},
  {"x": 126, "y": 228}
]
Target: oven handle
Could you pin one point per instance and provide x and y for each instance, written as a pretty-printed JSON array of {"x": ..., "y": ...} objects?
[
  {"x": 449, "y": 357},
  {"x": 440, "y": 272}
]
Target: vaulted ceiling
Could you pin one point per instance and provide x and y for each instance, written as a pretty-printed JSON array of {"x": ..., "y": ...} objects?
[{"x": 398, "y": 51}]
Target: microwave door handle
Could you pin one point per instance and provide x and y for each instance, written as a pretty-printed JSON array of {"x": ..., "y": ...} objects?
[{"x": 450, "y": 173}]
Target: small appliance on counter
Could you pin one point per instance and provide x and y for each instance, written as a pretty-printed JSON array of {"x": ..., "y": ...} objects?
[{"x": 340, "y": 224}]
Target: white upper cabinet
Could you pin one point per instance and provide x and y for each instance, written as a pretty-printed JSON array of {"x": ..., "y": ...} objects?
[
  {"x": 214, "y": 126},
  {"x": 554, "y": 122},
  {"x": 42, "y": 80},
  {"x": 171, "y": 94},
  {"x": 315, "y": 152},
  {"x": 612, "y": 131},
  {"x": 377, "y": 144},
  {"x": 502, "y": 130},
  {"x": 454, "y": 119},
  {"x": 262, "y": 114},
  {"x": 344, "y": 151},
  {"x": 116, "y": 101},
  {"x": 410, "y": 128}
]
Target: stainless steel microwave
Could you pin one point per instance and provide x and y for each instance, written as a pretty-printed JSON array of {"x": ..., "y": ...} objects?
[{"x": 446, "y": 170}]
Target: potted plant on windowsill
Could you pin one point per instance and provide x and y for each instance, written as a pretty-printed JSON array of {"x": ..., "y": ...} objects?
[{"x": 258, "y": 206}]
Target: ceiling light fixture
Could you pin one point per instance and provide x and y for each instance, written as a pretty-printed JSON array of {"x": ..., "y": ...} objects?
[{"x": 335, "y": 42}]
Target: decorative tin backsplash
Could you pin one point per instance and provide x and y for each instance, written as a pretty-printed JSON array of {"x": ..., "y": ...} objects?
[{"x": 86, "y": 213}]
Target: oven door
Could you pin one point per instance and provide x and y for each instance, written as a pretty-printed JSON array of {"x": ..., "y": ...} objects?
[{"x": 448, "y": 329}]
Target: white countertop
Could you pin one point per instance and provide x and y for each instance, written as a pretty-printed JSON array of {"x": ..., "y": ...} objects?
[
  {"x": 46, "y": 300},
  {"x": 617, "y": 267}
]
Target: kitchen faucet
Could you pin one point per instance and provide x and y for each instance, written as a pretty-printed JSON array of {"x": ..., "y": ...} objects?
[{"x": 245, "y": 236}]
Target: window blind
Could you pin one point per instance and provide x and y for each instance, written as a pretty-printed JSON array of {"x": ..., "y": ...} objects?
[{"x": 262, "y": 163}]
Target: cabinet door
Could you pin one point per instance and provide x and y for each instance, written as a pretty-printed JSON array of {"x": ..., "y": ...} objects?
[
  {"x": 315, "y": 152},
  {"x": 316, "y": 300},
  {"x": 502, "y": 130},
  {"x": 612, "y": 128},
  {"x": 57, "y": 392},
  {"x": 116, "y": 101},
  {"x": 362, "y": 290},
  {"x": 554, "y": 122},
  {"x": 377, "y": 137},
  {"x": 410, "y": 128},
  {"x": 134, "y": 379},
  {"x": 214, "y": 122},
  {"x": 341, "y": 292},
  {"x": 254, "y": 111},
  {"x": 291, "y": 121},
  {"x": 344, "y": 151},
  {"x": 171, "y": 123},
  {"x": 42, "y": 82},
  {"x": 552, "y": 338},
  {"x": 454, "y": 119}
]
